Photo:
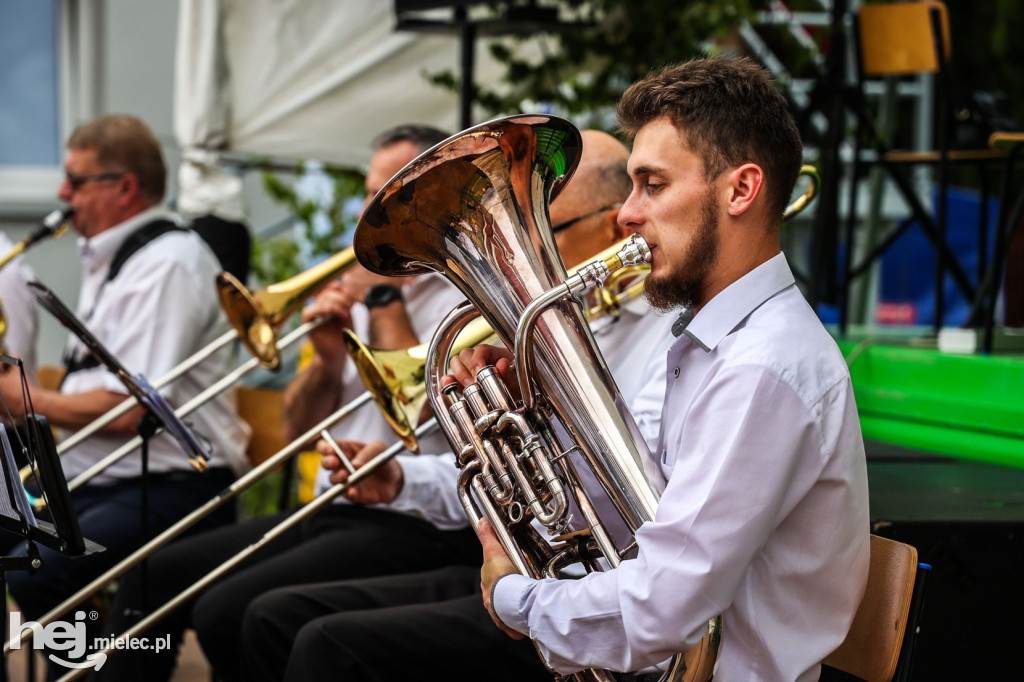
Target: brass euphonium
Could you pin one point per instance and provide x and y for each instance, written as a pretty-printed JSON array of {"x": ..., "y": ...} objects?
[{"x": 474, "y": 208}]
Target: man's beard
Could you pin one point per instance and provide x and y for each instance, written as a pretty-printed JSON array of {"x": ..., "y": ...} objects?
[{"x": 684, "y": 285}]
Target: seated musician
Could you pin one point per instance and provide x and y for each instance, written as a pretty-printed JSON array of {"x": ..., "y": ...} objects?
[
  {"x": 147, "y": 294},
  {"x": 436, "y": 619},
  {"x": 341, "y": 541},
  {"x": 765, "y": 516},
  {"x": 764, "y": 519}
]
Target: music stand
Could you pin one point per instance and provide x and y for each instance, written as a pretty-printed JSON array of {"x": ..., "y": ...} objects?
[
  {"x": 158, "y": 410},
  {"x": 62, "y": 534}
]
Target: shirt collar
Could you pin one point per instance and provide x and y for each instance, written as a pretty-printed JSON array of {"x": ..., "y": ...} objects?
[
  {"x": 97, "y": 252},
  {"x": 732, "y": 305}
]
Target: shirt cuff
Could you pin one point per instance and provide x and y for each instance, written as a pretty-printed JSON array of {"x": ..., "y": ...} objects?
[
  {"x": 508, "y": 598},
  {"x": 416, "y": 482}
]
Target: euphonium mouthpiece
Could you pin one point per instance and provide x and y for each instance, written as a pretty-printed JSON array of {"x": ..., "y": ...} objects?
[{"x": 635, "y": 252}]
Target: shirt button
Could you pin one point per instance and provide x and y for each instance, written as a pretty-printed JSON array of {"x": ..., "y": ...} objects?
[{"x": 675, "y": 372}]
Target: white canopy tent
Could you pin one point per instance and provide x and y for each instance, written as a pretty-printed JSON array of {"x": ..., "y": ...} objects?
[{"x": 302, "y": 79}]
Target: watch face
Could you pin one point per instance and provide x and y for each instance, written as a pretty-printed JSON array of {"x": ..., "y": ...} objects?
[{"x": 382, "y": 294}]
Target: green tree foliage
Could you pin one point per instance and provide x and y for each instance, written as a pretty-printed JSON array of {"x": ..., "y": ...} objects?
[
  {"x": 277, "y": 259},
  {"x": 605, "y": 46}
]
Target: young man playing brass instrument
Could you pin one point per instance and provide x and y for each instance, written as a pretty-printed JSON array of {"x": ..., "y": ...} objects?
[
  {"x": 432, "y": 625},
  {"x": 764, "y": 519}
]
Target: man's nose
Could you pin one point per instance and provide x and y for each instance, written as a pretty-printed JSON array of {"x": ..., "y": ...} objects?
[
  {"x": 629, "y": 215},
  {"x": 64, "y": 191}
]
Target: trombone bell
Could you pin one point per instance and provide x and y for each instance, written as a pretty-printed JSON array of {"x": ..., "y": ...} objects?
[
  {"x": 246, "y": 315},
  {"x": 256, "y": 316},
  {"x": 395, "y": 378}
]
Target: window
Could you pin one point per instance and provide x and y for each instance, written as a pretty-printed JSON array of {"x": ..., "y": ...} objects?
[{"x": 47, "y": 63}]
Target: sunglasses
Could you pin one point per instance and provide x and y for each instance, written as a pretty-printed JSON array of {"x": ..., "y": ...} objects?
[
  {"x": 76, "y": 181},
  {"x": 569, "y": 223}
]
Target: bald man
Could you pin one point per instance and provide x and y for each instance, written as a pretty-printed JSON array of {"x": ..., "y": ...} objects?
[{"x": 433, "y": 625}]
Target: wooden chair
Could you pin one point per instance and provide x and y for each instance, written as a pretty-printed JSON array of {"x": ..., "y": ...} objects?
[
  {"x": 879, "y": 634},
  {"x": 261, "y": 408},
  {"x": 49, "y": 376}
]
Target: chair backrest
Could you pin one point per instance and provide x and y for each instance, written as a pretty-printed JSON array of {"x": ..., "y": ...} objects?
[
  {"x": 871, "y": 649},
  {"x": 261, "y": 408},
  {"x": 898, "y": 38},
  {"x": 49, "y": 376}
]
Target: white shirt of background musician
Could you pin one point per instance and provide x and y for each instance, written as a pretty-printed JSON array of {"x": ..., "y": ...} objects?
[
  {"x": 159, "y": 310},
  {"x": 634, "y": 349},
  {"x": 19, "y": 306},
  {"x": 428, "y": 298},
  {"x": 765, "y": 516}
]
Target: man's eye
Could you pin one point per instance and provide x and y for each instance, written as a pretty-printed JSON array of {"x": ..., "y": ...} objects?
[{"x": 653, "y": 187}]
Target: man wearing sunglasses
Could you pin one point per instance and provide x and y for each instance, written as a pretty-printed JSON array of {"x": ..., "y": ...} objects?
[{"x": 147, "y": 294}]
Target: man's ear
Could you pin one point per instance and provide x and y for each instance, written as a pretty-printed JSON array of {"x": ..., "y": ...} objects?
[
  {"x": 128, "y": 186},
  {"x": 745, "y": 184}
]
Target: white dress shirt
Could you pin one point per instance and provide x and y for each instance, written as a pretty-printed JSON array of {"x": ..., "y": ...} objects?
[
  {"x": 765, "y": 516},
  {"x": 19, "y": 306},
  {"x": 428, "y": 298},
  {"x": 160, "y": 309},
  {"x": 633, "y": 347}
]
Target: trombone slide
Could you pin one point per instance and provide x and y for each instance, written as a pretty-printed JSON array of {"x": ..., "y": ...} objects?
[{"x": 305, "y": 512}]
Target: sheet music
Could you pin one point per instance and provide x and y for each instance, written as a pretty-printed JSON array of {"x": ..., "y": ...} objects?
[{"x": 12, "y": 483}]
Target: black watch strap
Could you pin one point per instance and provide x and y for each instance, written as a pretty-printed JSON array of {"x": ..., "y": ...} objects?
[{"x": 382, "y": 294}]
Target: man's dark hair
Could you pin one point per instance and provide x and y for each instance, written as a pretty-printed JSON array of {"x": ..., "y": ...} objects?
[
  {"x": 124, "y": 144},
  {"x": 729, "y": 112},
  {"x": 424, "y": 137}
]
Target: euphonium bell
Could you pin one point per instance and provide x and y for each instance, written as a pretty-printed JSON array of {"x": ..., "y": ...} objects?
[{"x": 256, "y": 316}]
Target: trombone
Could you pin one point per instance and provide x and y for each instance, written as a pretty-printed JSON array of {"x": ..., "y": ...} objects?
[
  {"x": 305, "y": 512},
  {"x": 400, "y": 380},
  {"x": 380, "y": 370}
]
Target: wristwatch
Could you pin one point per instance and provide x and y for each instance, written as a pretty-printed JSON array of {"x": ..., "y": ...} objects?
[{"x": 382, "y": 294}]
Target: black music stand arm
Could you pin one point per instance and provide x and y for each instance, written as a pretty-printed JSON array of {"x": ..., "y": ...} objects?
[{"x": 147, "y": 426}]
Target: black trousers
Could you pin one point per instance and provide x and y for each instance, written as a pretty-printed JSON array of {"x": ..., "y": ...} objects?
[
  {"x": 423, "y": 626},
  {"x": 339, "y": 543}
]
